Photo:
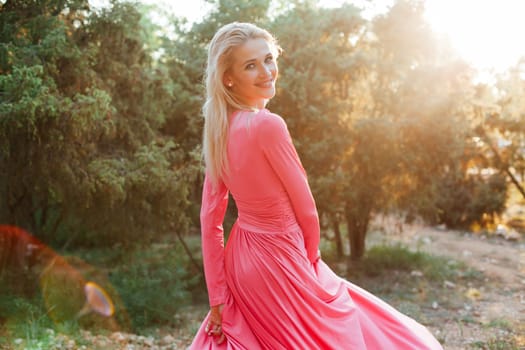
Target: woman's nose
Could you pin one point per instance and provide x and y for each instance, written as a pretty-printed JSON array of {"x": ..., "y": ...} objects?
[{"x": 266, "y": 70}]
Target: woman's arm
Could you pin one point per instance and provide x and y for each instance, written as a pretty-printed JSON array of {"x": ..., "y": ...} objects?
[
  {"x": 276, "y": 142},
  {"x": 213, "y": 209}
]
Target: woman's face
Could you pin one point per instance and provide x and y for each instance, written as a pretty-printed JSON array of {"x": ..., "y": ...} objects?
[{"x": 253, "y": 73}]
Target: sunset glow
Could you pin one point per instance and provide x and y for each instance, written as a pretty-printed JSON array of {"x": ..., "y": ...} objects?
[{"x": 486, "y": 33}]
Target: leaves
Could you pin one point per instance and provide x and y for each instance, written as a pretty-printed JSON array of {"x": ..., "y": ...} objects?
[
  {"x": 100, "y": 116},
  {"x": 81, "y": 113}
]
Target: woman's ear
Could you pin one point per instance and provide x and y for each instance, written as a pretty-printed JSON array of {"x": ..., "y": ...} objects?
[{"x": 227, "y": 81}]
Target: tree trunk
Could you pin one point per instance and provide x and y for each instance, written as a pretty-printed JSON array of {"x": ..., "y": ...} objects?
[
  {"x": 356, "y": 237},
  {"x": 337, "y": 236},
  {"x": 198, "y": 268},
  {"x": 515, "y": 181},
  {"x": 357, "y": 227}
]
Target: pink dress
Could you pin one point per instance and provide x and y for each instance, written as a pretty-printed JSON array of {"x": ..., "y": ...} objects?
[{"x": 277, "y": 293}]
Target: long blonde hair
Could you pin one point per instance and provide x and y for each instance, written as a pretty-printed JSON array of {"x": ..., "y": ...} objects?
[{"x": 220, "y": 101}]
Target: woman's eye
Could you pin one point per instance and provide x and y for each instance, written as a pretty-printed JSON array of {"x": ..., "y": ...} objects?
[
  {"x": 250, "y": 66},
  {"x": 269, "y": 59}
]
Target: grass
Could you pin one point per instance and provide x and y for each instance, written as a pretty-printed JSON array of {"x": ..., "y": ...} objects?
[
  {"x": 381, "y": 258},
  {"x": 504, "y": 339},
  {"x": 500, "y": 324},
  {"x": 497, "y": 344},
  {"x": 383, "y": 261},
  {"x": 414, "y": 282},
  {"x": 28, "y": 326}
]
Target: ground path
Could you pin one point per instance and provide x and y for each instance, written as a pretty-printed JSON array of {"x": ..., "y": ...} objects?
[{"x": 497, "y": 305}]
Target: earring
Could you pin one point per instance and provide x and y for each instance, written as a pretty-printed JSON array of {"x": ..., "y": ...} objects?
[{"x": 230, "y": 84}]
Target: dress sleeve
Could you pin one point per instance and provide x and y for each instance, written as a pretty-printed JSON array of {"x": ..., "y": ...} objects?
[
  {"x": 276, "y": 142},
  {"x": 213, "y": 209}
]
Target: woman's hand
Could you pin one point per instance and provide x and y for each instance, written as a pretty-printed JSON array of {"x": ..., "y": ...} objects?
[{"x": 214, "y": 326}]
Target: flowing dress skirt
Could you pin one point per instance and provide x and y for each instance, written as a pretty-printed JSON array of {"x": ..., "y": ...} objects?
[{"x": 279, "y": 300}]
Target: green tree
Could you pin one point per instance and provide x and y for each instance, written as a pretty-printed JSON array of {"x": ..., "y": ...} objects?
[
  {"x": 82, "y": 106},
  {"x": 428, "y": 93},
  {"x": 320, "y": 65},
  {"x": 380, "y": 112},
  {"x": 501, "y": 125}
]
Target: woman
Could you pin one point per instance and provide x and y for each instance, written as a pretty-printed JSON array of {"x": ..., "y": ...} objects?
[{"x": 269, "y": 289}]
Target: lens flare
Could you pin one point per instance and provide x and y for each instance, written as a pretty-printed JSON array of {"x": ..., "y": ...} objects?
[
  {"x": 70, "y": 287},
  {"x": 97, "y": 300}
]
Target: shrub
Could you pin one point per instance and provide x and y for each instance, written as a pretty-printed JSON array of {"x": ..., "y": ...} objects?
[
  {"x": 155, "y": 284},
  {"x": 461, "y": 201}
]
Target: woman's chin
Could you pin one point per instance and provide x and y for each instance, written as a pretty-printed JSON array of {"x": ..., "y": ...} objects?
[{"x": 269, "y": 93}]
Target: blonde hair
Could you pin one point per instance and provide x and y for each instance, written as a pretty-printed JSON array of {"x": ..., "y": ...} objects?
[{"x": 220, "y": 101}]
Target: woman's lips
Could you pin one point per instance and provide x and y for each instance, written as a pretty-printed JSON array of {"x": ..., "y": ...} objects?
[{"x": 265, "y": 84}]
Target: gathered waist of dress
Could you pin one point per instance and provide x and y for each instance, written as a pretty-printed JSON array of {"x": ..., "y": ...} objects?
[{"x": 269, "y": 215}]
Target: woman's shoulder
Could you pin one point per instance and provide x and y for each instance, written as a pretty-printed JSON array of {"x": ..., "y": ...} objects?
[
  {"x": 267, "y": 120},
  {"x": 270, "y": 125}
]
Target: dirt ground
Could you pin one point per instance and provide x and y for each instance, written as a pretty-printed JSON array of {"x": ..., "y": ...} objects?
[{"x": 496, "y": 307}]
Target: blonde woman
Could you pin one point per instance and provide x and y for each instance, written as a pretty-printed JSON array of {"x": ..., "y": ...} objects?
[{"x": 268, "y": 288}]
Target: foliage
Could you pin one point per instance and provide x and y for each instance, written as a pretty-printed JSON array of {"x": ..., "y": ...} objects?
[
  {"x": 81, "y": 118},
  {"x": 156, "y": 285},
  {"x": 462, "y": 201},
  {"x": 318, "y": 69},
  {"x": 428, "y": 93},
  {"x": 500, "y": 128},
  {"x": 365, "y": 97},
  {"x": 100, "y": 119},
  {"x": 148, "y": 284}
]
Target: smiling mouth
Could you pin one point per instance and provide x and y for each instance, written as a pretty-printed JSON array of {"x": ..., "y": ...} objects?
[{"x": 265, "y": 84}]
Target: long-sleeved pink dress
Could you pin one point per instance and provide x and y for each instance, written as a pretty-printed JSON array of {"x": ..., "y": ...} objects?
[{"x": 277, "y": 292}]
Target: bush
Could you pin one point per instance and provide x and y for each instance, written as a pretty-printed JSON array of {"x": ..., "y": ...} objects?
[
  {"x": 383, "y": 259},
  {"x": 147, "y": 284},
  {"x": 155, "y": 284},
  {"x": 461, "y": 201}
]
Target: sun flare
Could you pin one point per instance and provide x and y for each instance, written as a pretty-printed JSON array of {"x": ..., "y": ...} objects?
[{"x": 486, "y": 33}]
